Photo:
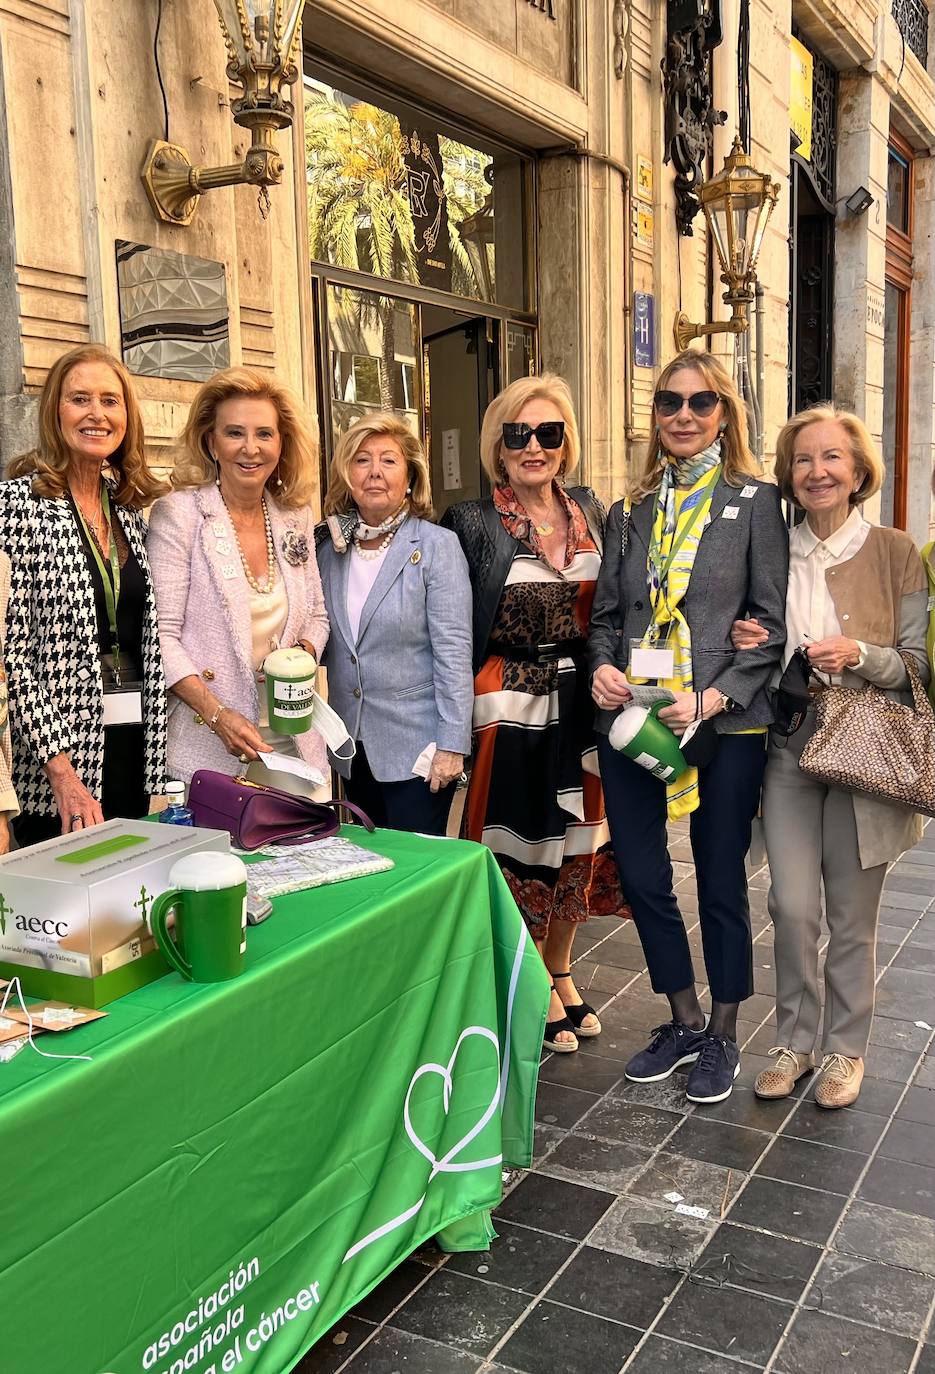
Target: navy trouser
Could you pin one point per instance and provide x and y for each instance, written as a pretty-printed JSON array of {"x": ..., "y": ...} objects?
[
  {"x": 409, "y": 805},
  {"x": 720, "y": 837}
]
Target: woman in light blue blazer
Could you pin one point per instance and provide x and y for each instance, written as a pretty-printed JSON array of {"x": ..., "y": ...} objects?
[{"x": 399, "y": 657}]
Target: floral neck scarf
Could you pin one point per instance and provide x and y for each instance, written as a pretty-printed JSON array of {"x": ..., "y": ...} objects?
[{"x": 518, "y": 524}]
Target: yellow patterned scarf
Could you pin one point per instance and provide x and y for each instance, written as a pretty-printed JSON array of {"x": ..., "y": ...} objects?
[{"x": 681, "y": 511}]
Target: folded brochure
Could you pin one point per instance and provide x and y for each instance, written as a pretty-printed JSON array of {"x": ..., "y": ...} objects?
[{"x": 292, "y": 868}]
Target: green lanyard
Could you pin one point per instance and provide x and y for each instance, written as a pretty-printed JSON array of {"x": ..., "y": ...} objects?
[
  {"x": 112, "y": 581},
  {"x": 682, "y": 534}
]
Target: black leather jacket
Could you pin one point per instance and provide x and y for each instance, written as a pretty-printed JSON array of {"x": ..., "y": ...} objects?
[{"x": 489, "y": 552}]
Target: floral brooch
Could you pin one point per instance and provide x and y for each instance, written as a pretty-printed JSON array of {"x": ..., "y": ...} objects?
[{"x": 295, "y": 548}]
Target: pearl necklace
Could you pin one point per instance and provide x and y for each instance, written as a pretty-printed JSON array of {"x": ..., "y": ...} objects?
[
  {"x": 370, "y": 554},
  {"x": 270, "y": 552}
]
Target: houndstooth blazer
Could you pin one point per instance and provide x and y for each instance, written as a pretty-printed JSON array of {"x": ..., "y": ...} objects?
[{"x": 52, "y": 654}]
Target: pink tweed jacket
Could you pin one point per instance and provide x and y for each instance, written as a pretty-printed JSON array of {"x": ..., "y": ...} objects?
[{"x": 202, "y": 600}]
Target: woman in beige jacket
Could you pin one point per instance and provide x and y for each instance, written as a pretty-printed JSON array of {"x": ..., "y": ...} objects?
[
  {"x": 8, "y": 803},
  {"x": 856, "y": 598}
]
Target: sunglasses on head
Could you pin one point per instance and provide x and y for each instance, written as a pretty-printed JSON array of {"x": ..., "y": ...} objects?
[
  {"x": 550, "y": 434},
  {"x": 701, "y": 403}
]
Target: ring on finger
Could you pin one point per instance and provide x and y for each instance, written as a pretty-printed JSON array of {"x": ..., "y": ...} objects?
[{"x": 243, "y": 758}]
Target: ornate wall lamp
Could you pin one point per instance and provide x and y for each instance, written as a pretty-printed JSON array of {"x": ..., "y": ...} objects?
[
  {"x": 261, "y": 38},
  {"x": 737, "y": 204}
]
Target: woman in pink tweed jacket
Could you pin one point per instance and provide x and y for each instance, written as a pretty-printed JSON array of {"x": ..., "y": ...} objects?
[{"x": 232, "y": 553}]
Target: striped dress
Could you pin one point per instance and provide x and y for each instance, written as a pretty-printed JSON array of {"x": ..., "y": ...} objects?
[{"x": 535, "y": 795}]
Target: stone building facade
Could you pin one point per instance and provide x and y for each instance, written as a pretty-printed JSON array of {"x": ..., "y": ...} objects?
[{"x": 553, "y": 238}]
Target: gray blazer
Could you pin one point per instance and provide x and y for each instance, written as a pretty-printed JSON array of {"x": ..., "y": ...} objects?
[
  {"x": 741, "y": 569},
  {"x": 408, "y": 680}
]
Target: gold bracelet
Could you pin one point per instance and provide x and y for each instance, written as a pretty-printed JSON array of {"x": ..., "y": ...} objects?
[{"x": 215, "y": 718}]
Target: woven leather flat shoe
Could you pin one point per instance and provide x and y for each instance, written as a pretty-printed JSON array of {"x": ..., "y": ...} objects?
[
  {"x": 839, "y": 1084},
  {"x": 780, "y": 1078}
]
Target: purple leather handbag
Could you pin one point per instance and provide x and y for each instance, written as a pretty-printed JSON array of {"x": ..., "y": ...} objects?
[{"x": 255, "y": 815}]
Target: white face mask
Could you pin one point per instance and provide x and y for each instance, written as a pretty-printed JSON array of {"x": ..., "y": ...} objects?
[{"x": 332, "y": 729}]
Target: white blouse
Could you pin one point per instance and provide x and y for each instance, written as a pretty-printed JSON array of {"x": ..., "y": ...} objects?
[
  {"x": 810, "y": 611},
  {"x": 361, "y": 576}
]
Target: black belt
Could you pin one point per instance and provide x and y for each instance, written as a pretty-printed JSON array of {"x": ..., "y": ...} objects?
[{"x": 541, "y": 653}]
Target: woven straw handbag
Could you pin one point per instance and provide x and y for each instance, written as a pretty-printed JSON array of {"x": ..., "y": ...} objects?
[{"x": 864, "y": 742}]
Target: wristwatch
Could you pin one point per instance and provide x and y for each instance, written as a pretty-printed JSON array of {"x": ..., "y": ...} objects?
[{"x": 727, "y": 703}]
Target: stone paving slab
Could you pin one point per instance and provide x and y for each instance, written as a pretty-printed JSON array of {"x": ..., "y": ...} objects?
[{"x": 815, "y": 1250}]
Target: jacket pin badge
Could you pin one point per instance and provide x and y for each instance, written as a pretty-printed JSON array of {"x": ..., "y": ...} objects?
[
  {"x": 416, "y": 557},
  {"x": 730, "y": 512},
  {"x": 748, "y": 492}
]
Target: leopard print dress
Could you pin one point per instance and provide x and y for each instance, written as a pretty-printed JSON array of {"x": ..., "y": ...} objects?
[{"x": 535, "y": 795}]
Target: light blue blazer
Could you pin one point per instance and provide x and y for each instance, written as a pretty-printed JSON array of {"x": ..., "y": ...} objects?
[{"x": 408, "y": 679}]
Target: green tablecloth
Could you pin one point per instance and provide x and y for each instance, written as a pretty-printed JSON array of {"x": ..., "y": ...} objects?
[{"x": 240, "y": 1163}]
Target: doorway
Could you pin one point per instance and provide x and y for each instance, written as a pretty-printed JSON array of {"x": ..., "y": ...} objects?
[
  {"x": 461, "y": 377},
  {"x": 437, "y": 366}
]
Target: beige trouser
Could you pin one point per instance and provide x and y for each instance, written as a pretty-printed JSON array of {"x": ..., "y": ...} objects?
[{"x": 811, "y": 838}]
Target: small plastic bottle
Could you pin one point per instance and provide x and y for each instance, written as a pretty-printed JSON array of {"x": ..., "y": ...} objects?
[{"x": 176, "y": 813}]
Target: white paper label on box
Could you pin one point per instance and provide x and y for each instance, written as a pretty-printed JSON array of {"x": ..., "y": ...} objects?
[
  {"x": 123, "y": 708},
  {"x": 655, "y": 663}
]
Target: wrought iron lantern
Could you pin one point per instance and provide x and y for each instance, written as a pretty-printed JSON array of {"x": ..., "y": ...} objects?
[
  {"x": 737, "y": 204},
  {"x": 261, "y": 38}
]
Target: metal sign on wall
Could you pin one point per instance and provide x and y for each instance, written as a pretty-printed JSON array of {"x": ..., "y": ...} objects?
[{"x": 644, "y": 329}]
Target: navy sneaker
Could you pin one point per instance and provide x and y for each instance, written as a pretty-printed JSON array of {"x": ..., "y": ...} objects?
[
  {"x": 672, "y": 1044},
  {"x": 718, "y": 1064}
]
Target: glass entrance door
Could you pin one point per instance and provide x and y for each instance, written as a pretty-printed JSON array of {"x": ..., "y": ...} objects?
[{"x": 436, "y": 366}]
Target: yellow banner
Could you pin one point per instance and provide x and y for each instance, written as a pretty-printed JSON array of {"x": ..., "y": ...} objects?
[{"x": 800, "y": 97}]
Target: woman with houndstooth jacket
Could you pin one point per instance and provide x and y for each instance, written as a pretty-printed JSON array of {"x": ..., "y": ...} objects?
[
  {"x": 9, "y": 806},
  {"x": 86, "y": 686}
]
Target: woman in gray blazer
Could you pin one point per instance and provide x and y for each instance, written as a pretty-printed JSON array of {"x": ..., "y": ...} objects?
[
  {"x": 399, "y": 657},
  {"x": 697, "y": 536}
]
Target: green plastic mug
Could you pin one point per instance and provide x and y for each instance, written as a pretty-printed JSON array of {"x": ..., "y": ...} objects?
[
  {"x": 637, "y": 733},
  {"x": 209, "y": 895}
]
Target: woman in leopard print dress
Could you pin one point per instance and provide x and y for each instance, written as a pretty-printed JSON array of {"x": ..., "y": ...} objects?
[{"x": 535, "y": 797}]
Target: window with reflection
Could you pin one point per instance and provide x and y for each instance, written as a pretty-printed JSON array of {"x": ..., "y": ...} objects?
[
  {"x": 897, "y": 191},
  {"x": 372, "y": 348},
  {"x": 411, "y": 203}
]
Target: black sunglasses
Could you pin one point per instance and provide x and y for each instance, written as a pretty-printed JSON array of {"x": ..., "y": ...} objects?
[
  {"x": 550, "y": 434},
  {"x": 702, "y": 403}
]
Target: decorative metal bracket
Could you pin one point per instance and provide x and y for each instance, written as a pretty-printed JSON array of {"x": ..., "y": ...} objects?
[
  {"x": 694, "y": 31},
  {"x": 620, "y": 21}
]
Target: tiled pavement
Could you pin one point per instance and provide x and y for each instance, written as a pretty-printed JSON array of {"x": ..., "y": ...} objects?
[{"x": 814, "y": 1248}]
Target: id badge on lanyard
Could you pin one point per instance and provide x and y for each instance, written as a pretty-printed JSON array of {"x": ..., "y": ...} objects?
[
  {"x": 123, "y": 701},
  {"x": 652, "y": 661}
]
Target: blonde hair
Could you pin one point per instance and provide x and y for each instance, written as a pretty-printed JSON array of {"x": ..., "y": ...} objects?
[
  {"x": 863, "y": 450},
  {"x": 137, "y": 486},
  {"x": 738, "y": 463},
  {"x": 295, "y": 473},
  {"x": 504, "y": 409},
  {"x": 338, "y": 498}
]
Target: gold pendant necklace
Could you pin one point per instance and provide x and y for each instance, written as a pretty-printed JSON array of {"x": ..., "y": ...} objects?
[{"x": 544, "y": 530}]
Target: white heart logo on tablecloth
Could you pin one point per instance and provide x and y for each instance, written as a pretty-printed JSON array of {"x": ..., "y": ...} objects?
[{"x": 445, "y": 1165}]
